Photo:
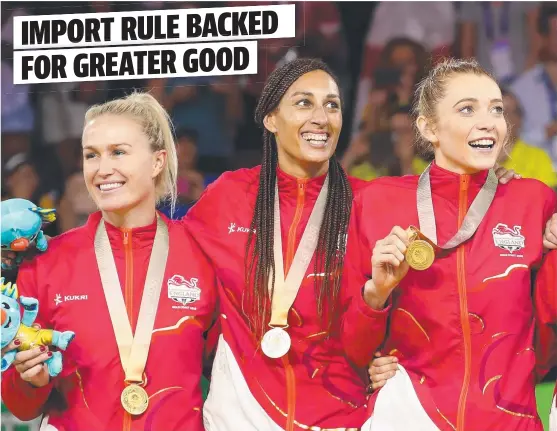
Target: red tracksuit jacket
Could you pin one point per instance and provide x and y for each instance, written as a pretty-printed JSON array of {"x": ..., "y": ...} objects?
[
  {"x": 463, "y": 329},
  {"x": 546, "y": 315},
  {"x": 314, "y": 385},
  {"x": 66, "y": 281}
]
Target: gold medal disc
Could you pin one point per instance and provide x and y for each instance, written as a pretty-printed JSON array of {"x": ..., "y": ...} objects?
[
  {"x": 420, "y": 255},
  {"x": 134, "y": 400}
]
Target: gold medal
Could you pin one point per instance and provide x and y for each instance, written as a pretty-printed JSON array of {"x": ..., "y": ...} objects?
[
  {"x": 420, "y": 255},
  {"x": 134, "y": 400}
]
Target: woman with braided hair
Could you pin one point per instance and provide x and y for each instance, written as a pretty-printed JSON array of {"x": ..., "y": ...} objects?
[{"x": 280, "y": 362}]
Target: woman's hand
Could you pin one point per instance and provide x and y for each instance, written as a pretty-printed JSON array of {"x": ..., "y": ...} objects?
[
  {"x": 550, "y": 235},
  {"x": 388, "y": 266},
  {"x": 381, "y": 369},
  {"x": 30, "y": 364},
  {"x": 505, "y": 175}
]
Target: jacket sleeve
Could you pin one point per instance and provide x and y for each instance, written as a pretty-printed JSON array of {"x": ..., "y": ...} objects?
[
  {"x": 363, "y": 329},
  {"x": 23, "y": 400},
  {"x": 203, "y": 215},
  {"x": 545, "y": 301}
]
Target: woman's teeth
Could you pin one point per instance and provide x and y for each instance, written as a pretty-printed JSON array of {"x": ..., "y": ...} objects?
[
  {"x": 110, "y": 186},
  {"x": 315, "y": 138},
  {"x": 482, "y": 144}
]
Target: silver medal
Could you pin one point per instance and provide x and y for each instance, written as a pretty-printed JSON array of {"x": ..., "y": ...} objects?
[{"x": 276, "y": 343}]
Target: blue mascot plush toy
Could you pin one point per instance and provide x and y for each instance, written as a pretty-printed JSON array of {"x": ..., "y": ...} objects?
[
  {"x": 22, "y": 223},
  {"x": 21, "y": 327}
]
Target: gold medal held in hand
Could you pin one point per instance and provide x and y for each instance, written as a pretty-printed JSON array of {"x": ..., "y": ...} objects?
[
  {"x": 134, "y": 400},
  {"x": 420, "y": 254}
]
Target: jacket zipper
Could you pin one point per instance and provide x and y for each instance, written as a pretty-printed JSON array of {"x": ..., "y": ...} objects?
[
  {"x": 128, "y": 289},
  {"x": 290, "y": 251},
  {"x": 291, "y": 247},
  {"x": 128, "y": 299},
  {"x": 464, "y": 319}
]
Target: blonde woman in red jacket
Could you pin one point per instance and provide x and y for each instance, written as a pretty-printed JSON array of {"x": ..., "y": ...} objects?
[
  {"x": 133, "y": 286},
  {"x": 461, "y": 320}
]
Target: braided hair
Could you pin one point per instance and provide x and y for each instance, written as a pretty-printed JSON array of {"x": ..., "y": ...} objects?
[{"x": 331, "y": 245}]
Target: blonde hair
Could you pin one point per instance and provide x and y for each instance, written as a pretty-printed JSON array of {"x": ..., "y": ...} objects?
[
  {"x": 156, "y": 124},
  {"x": 432, "y": 89}
]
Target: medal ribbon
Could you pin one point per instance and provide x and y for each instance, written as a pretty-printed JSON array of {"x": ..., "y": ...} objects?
[
  {"x": 473, "y": 218},
  {"x": 285, "y": 291},
  {"x": 133, "y": 349}
]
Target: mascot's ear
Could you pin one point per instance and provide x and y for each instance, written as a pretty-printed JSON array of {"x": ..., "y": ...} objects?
[{"x": 47, "y": 215}]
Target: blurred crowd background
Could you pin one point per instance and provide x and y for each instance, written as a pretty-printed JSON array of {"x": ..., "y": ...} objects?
[{"x": 379, "y": 50}]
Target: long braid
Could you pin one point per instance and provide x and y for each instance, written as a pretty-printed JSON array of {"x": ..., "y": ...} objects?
[
  {"x": 331, "y": 246},
  {"x": 259, "y": 248}
]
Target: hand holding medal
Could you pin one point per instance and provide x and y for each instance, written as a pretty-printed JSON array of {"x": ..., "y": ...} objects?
[
  {"x": 388, "y": 262},
  {"x": 422, "y": 248},
  {"x": 394, "y": 255}
]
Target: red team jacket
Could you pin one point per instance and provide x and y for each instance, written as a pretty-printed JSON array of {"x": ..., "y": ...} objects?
[
  {"x": 463, "y": 329},
  {"x": 66, "y": 281},
  {"x": 546, "y": 315},
  {"x": 315, "y": 384}
]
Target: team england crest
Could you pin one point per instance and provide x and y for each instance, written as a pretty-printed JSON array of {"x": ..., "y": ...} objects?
[
  {"x": 508, "y": 239},
  {"x": 183, "y": 291}
]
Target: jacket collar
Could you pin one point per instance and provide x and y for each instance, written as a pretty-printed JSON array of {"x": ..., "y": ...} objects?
[
  {"x": 449, "y": 184},
  {"x": 288, "y": 185},
  {"x": 140, "y": 236}
]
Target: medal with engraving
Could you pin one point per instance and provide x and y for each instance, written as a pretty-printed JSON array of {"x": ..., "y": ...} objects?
[
  {"x": 134, "y": 399},
  {"x": 420, "y": 254}
]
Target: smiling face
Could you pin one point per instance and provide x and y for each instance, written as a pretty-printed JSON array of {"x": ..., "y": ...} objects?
[
  {"x": 119, "y": 165},
  {"x": 470, "y": 129},
  {"x": 307, "y": 123}
]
